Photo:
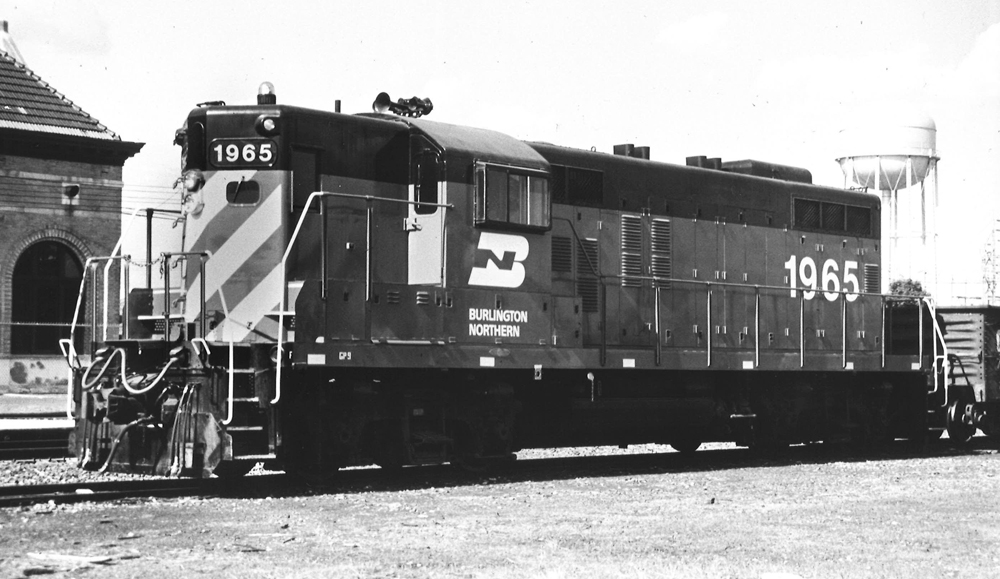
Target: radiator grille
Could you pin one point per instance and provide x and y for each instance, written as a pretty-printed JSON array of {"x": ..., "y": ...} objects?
[
  {"x": 660, "y": 246},
  {"x": 873, "y": 278},
  {"x": 562, "y": 254},
  {"x": 631, "y": 262},
  {"x": 632, "y": 233},
  {"x": 631, "y": 270}
]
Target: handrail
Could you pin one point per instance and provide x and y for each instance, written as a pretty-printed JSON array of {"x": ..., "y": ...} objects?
[
  {"x": 94, "y": 260},
  {"x": 802, "y": 329},
  {"x": 69, "y": 352},
  {"x": 87, "y": 266},
  {"x": 167, "y": 256},
  {"x": 658, "y": 346},
  {"x": 107, "y": 268},
  {"x": 756, "y": 327},
  {"x": 708, "y": 326},
  {"x": 883, "y": 332},
  {"x": 232, "y": 388},
  {"x": 944, "y": 357},
  {"x": 291, "y": 243},
  {"x": 843, "y": 333},
  {"x": 799, "y": 291},
  {"x": 196, "y": 341}
]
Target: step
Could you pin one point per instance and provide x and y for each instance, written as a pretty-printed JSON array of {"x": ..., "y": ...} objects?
[
  {"x": 256, "y": 457},
  {"x": 244, "y": 429}
]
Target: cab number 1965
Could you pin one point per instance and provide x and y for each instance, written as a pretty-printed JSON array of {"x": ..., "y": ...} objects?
[
  {"x": 242, "y": 152},
  {"x": 805, "y": 273}
]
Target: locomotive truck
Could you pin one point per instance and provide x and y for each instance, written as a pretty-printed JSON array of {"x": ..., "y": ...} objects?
[{"x": 382, "y": 288}]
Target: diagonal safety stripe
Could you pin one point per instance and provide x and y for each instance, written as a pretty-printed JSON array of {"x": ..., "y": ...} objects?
[
  {"x": 214, "y": 218},
  {"x": 264, "y": 298},
  {"x": 238, "y": 248}
]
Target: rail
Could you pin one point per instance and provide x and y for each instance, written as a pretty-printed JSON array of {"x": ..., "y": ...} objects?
[
  {"x": 942, "y": 358},
  {"x": 369, "y": 202},
  {"x": 799, "y": 292},
  {"x": 796, "y": 291},
  {"x": 167, "y": 257}
]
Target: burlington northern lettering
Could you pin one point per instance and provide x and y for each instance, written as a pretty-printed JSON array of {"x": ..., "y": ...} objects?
[{"x": 503, "y": 322}]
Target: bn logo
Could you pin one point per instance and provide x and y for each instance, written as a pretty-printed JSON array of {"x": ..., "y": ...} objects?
[{"x": 499, "y": 271}]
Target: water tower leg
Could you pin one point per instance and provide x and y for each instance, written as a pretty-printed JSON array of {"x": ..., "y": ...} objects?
[{"x": 886, "y": 239}]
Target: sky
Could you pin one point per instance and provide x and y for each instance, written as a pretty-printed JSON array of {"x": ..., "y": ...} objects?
[{"x": 773, "y": 80}]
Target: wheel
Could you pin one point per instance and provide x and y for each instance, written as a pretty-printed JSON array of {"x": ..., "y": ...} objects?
[
  {"x": 958, "y": 431},
  {"x": 685, "y": 446}
]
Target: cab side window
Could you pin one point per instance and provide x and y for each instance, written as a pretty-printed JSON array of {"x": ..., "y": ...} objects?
[
  {"x": 425, "y": 175},
  {"x": 512, "y": 196}
]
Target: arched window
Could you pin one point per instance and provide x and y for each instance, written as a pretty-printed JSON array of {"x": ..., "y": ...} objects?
[{"x": 45, "y": 286}]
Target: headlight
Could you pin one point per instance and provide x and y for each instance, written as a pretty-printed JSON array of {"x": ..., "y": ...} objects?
[
  {"x": 267, "y": 125},
  {"x": 193, "y": 180}
]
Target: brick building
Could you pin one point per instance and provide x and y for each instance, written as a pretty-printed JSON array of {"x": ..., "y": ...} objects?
[{"x": 60, "y": 204}]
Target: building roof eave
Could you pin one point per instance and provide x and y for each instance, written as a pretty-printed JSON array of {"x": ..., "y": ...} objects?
[{"x": 34, "y": 144}]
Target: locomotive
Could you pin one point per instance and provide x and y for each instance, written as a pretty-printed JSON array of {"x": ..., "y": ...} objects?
[{"x": 382, "y": 288}]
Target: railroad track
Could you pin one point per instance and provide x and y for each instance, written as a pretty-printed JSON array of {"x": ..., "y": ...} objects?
[
  {"x": 32, "y": 436},
  {"x": 23, "y": 495},
  {"x": 534, "y": 469}
]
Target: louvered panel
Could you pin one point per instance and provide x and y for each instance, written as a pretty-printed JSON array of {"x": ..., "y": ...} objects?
[
  {"x": 965, "y": 345},
  {"x": 585, "y": 266},
  {"x": 632, "y": 233},
  {"x": 562, "y": 254},
  {"x": 631, "y": 251},
  {"x": 660, "y": 236},
  {"x": 873, "y": 278},
  {"x": 661, "y": 244},
  {"x": 586, "y": 278},
  {"x": 631, "y": 270},
  {"x": 587, "y": 290},
  {"x": 661, "y": 269}
]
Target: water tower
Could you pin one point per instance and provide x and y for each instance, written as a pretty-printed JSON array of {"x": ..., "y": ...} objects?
[{"x": 892, "y": 151}]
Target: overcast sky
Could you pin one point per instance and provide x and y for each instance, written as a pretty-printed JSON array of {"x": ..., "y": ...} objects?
[{"x": 773, "y": 80}]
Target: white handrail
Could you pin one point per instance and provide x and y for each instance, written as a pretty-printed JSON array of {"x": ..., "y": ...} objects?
[
  {"x": 232, "y": 388},
  {"x": 944, "y": 357},
  {"x": 107, "y": 267}
]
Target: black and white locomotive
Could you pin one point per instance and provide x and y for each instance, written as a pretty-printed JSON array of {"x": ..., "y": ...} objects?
[{"x": 381, "y": 288}]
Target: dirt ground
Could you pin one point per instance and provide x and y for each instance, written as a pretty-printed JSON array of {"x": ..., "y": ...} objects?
[{"x": 721, "y": 513}]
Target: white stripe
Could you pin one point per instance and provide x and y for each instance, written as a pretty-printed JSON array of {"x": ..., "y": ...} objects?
[
  {"x": 237, "y": 249},
  {"x": 264, "y": 298}
]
